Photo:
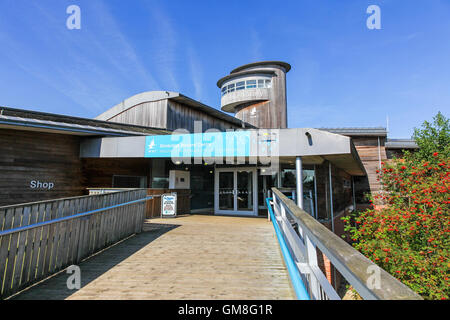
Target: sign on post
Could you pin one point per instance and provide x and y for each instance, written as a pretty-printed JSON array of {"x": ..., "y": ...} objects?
[{"x": 169, "y": 205}]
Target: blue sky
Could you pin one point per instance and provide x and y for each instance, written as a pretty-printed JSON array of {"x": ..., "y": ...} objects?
[{"x": 343, "y": 74}]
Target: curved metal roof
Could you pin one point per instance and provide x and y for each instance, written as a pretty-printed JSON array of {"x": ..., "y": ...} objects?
[
  {"x": 150, "y": 96},
  {"x": 285, "y": 65}
]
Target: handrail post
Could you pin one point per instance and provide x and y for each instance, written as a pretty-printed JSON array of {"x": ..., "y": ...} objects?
[
  {"x": 311, "y": 259},
  {"x": 294, "y": 274},
  {"x": 299, "y": 178}
]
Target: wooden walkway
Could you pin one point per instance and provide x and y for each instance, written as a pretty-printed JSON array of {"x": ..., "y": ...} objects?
[{"x": 190, "y": 257}]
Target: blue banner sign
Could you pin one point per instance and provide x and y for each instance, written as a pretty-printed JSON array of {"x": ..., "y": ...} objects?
[{"x": 208, "y": 144}]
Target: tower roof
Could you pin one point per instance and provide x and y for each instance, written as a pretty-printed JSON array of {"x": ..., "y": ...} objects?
[{"x": 285, "y": 65}]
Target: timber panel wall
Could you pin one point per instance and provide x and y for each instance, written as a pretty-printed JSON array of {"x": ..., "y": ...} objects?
[
  {"x": 26, "y": 156},
  {"x": 170, "y": 115},
  {"x": 181, "y": 116},
  {"x": 99, "y": 173},
  {"x": 367, "y": 148},
  {"x": 153, "y": 207}
]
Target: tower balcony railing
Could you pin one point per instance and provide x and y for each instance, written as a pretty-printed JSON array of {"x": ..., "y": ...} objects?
[{"x": 238, "y": 97}]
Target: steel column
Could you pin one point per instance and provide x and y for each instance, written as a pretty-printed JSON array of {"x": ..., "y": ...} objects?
[{"x": 299, "y": 182}]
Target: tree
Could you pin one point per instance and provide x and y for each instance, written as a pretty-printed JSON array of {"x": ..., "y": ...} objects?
[{"x": 433, "y": 137}]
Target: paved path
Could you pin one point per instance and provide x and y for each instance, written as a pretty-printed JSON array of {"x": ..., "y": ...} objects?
[{"x": 190, "y": 257}]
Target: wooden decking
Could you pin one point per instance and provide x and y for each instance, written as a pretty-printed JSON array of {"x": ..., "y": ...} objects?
[{"x": 190, "y": 257}]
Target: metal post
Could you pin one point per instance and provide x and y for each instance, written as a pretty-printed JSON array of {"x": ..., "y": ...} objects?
[
  {"x": 331, "y": 197},
  {"x": 353, "y": 191},
  {"x": 316, "y": 209},
  {"x": 379, "y": 153},
  {"x": 299, "y": 177},
  {"x": 332, "y": 214}
]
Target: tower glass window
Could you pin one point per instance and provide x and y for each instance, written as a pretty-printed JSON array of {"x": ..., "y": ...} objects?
[
  {"x": 240, "y": 85},
  {"x": 248, "y": 84},
  {"x": 251, "y": 84}
]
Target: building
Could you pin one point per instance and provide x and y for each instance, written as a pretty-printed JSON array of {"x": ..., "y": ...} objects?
[
  {"x": 256, "y": 93},
  {"x": 219, "y": 163}
]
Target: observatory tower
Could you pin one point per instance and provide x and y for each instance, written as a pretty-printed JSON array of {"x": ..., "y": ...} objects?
[{"x": 256, "y": 93}]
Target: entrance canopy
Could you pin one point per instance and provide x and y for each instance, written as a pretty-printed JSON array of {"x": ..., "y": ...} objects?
[{"x": 236, "y": 146}]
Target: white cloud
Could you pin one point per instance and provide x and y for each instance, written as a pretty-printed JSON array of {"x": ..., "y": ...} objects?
[{"x": 196, "y": 72}]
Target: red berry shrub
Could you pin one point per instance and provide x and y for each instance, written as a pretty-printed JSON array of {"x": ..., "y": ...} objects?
[{"x": 408, "y": 235}]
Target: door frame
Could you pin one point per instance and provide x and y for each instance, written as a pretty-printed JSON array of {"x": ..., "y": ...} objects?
[
  {"x": 264, "y": 192},
  {"x": 235, "y": 211}
]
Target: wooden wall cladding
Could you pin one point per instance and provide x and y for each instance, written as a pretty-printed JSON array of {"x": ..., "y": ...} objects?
[
  {"x": 182, "y": 116},
  {"x": 27, "y": 156},
  {"x": 153, "y": 209},
  {"x": 371, "y": 156},
  {"x": 98, "y": 173},
  {"x": 258, "y": 114},
  {"x": 170, "y": 115}
]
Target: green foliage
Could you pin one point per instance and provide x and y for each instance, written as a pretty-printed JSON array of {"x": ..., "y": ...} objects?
[{"x": 433, "y": 137}]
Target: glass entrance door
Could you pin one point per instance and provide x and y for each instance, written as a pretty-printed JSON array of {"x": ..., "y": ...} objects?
[
  {"x": 245, "y": 190},
  {"x": 235, "y": 191},
  {"x": 265, "y": 184},
  {"x": 226, "y": 190}
]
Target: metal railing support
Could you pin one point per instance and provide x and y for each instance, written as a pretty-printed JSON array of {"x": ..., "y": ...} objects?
[
  {"x": 299, "y": 182},
  {"x": 299, "y": 248},
  {"x": 297, "y": 283}
]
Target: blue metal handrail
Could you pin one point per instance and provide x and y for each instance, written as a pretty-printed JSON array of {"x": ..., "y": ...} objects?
[
  {"x": 44, "y": 223},
  {"x": 294, "y": 274}
]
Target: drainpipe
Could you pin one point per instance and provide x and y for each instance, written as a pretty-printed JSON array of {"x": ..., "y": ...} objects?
[{"x": 299, "y": 184}]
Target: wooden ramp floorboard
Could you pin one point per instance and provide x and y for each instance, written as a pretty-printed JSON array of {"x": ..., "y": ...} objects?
[{"x": 190, "y": 257}]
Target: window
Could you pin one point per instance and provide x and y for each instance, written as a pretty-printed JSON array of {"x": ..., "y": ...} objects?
[
  {"x": 240, "y": 85},
  {"x": 251, "y": 84}
]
